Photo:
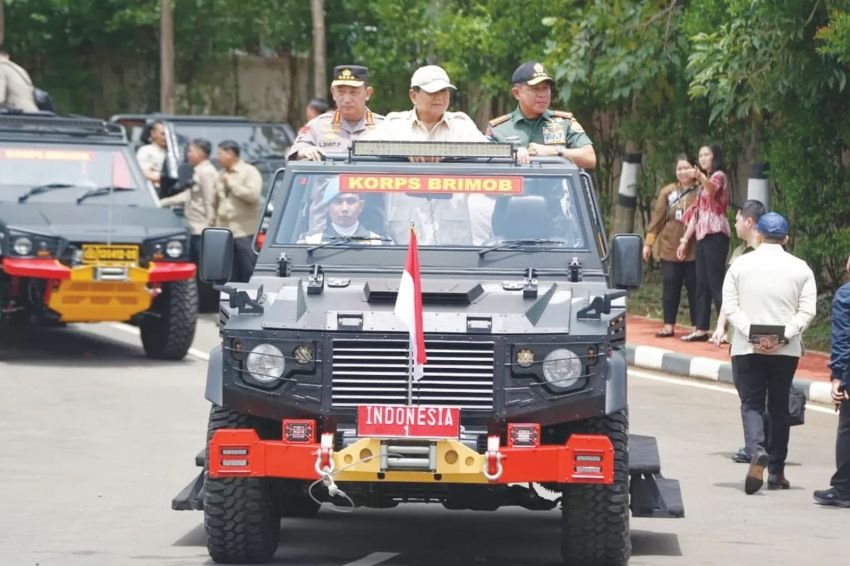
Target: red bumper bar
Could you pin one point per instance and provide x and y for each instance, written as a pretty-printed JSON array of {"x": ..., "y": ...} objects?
[{"x": 582, "y": 459}]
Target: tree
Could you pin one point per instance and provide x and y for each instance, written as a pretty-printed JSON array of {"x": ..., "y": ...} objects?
[{"x": 320, "y": 82}]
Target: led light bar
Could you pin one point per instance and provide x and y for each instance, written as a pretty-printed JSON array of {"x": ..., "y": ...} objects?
[{"x": 378, "y": 148}]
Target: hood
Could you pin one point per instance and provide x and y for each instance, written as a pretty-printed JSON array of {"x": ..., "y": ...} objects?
[
  {"x": 487, "y": 307},
  {"x": 128, "y": 224}
]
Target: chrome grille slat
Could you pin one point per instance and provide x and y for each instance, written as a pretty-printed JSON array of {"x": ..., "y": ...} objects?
[{"x": 374, "y": 371}]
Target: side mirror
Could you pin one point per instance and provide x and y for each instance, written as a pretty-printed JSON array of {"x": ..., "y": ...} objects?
[
  {"x": 216, "y": 255},
  {"x": 626, "y": 264}
]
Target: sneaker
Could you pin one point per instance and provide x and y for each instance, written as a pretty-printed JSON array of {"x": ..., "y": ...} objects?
[
  {"x": 755, "y": 473},
  {"x": 831, "y": 497}
]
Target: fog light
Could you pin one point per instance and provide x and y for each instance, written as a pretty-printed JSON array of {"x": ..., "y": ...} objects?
[
  {"x": 523, "y": 435},
  {"x": 299, "y": 431}
]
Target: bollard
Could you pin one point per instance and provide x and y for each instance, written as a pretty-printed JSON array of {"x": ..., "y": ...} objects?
[{"x": 757, "y": 187}]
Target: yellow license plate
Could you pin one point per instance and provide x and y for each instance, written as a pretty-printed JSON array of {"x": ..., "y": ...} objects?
[{"x": 110, "y": 255}]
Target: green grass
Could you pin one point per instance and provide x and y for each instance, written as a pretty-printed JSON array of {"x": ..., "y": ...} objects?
[{"x": 646, "y": 301}]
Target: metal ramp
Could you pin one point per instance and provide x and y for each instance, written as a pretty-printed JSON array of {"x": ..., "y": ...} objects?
[{"x": 652, "y": 495}]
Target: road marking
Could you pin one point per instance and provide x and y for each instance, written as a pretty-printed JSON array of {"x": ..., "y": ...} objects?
[
  {"x": 730, "y": 390},
  {"x": 372, "y": 559},
  {"x": 129, "y": 329}
]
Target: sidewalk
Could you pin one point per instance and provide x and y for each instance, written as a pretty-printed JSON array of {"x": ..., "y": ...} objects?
[{"x": 703, "y": 360}]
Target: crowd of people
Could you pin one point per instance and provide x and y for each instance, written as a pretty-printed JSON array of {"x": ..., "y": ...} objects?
[{"x": 765, "y": 297}]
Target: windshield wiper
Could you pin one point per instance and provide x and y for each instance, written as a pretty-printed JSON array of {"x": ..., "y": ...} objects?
[
  {"x": 346, "y": 240},
  {"x": 37, "y": 190},
  {"x": 510, "y": 244},
  {"x": 100, "y": 191}
]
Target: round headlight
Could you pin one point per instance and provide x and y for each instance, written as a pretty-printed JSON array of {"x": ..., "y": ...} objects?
[
  {"x": 174, "y": 249},
  {"x": 265, "y": 363},
  {"x": 562, "y": 368},
  {"x": 22, "y": 245}
]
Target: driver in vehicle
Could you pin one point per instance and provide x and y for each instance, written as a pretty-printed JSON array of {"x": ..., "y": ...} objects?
[{"x": 344, "y": 210}]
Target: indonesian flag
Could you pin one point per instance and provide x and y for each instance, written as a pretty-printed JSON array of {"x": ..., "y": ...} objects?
[{"x": 408, "y": 307}]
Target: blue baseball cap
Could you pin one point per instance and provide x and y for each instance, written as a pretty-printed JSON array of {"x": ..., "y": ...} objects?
[{"x": 772, "y": 225}]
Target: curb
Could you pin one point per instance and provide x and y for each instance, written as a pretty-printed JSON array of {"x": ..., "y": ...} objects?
[{"x": 709, "y": 369}]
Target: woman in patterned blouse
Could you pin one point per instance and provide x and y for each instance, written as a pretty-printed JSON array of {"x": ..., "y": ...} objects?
[{"x": 706, "y": 220}]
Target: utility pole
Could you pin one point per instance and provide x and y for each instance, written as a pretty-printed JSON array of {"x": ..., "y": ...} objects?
[
  {"x": 320, "y": 84},
  {"x": 166, "y": 57}
]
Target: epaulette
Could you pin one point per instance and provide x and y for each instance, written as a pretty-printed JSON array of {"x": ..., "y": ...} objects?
[
  {"x": 562, "y": 114},
  {"x": 370, "y": 120},
  {"x": 500, "y": 120},
  {"x": 337, "y": 118}
]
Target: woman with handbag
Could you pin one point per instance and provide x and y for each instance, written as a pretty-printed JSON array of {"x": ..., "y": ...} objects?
[
  {"x": 706, "y": 220},
  {"x": 666, "y": 228}
]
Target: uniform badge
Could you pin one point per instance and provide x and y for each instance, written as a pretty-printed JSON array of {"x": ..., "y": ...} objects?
[{"x": 576, "y": 127}]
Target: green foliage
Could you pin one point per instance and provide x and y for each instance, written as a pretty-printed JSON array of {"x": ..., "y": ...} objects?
[
  {"x": 767, "y": 79},
  {"x": 836, "y": 35}
]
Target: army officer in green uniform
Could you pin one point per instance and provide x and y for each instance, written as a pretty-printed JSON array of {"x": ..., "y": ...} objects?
[{"x": 538, "y": 130}]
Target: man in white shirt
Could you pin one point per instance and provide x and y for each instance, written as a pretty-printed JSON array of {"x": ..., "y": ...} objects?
[
  {"x": 767, "y": 286},
  {"x": 152, "y": 156},
  {"x": 437, "y": 221},
  {"x": 429, "y": 120},
  {"x": 16, "y": 90}
]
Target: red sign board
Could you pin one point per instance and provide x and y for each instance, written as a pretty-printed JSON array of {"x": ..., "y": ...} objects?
[
  {"x": 402, "y": 421},
  {"x": 365, "y": 183}
]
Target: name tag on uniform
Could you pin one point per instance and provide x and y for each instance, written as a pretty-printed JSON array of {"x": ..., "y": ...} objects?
[
  {"x": 330, "y": 143},
  {"x": 553, "y": 132}
]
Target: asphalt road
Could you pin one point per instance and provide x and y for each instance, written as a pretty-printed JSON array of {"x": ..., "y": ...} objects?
[{"x": 95, "y": 440}]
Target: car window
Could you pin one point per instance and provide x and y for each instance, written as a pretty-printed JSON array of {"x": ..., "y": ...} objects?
[
  {"x": 445, "y": 210},
  {"x": 24, "y": 166}
]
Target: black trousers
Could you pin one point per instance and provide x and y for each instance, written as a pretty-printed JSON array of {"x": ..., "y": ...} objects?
[
  {"x": 841, "y": 479},
  {"x": 244, "y": 259},
  {"x": 673, "y": 275},
  {"x": 758, "y": 376},
  {"x": 711, "y": 254}
]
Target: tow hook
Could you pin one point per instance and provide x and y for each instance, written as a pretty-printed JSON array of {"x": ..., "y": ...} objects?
[
  {"x": 493, "y": 464},
  {"x": 324, "y": 462}
]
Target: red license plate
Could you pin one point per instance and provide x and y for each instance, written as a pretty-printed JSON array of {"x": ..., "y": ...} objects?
[{"x": 401, "y": 421}]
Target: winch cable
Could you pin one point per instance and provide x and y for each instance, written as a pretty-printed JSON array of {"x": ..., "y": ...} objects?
[{"x": 327, "y": 478}]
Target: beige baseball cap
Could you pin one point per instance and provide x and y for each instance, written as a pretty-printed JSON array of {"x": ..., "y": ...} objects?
[{"x": 431, "y": 78}]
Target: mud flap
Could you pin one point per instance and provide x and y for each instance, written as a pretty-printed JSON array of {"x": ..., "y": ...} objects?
[{"x": 652, "y": 495}]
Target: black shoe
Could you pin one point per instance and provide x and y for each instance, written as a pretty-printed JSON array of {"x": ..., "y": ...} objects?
[
  {"x": 741, "y": 457},
  {"x": 777, "y": 481},
  {"x": 755, "y": 473},
  {"x": 694, "y": 337},
  {"x": 832, "y": 497}
]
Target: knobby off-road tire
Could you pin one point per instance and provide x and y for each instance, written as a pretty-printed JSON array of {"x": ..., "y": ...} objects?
[
  {"x": 595, "y": 528},
  {"x": 240, "y": 514},
  {"x": 167, "y": 332}
]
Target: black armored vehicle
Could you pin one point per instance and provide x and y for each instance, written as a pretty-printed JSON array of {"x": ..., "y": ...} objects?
[
  {"x": 82, "y": 236},
  {"x": 521, "y": 400}
]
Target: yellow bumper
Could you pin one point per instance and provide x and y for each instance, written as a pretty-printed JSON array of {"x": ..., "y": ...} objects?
[{"x": 81, "y": 298}]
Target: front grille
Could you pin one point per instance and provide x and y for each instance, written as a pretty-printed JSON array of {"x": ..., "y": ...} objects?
[{"x": 458, "y": 374}]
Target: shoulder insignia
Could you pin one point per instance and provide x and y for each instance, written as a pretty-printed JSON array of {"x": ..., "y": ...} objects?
[
  {"x": 370, "y": 119},
  {"x": 500, "y": 120},
  {"x": 337, "y": 118},
  {"x": 562, "y": 114}
]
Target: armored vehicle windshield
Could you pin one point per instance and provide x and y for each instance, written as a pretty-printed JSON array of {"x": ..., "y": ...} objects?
[
  {"x": 445, "y": 210},
  {"x": 60, "y": 173}
]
